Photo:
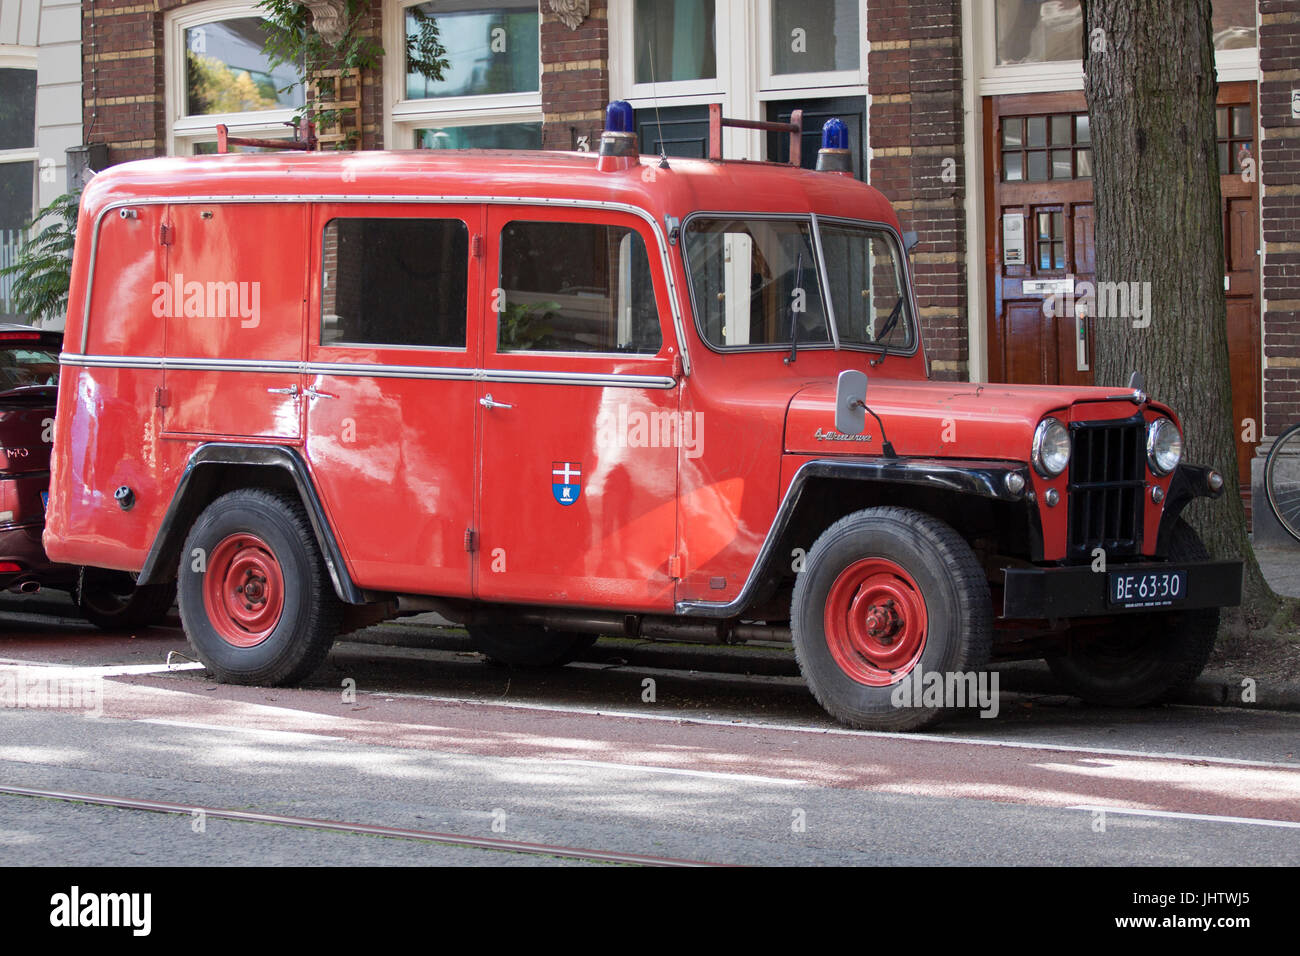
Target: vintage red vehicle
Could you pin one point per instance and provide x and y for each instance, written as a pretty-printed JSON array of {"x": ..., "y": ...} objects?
[{"x": 553, "y": 396}]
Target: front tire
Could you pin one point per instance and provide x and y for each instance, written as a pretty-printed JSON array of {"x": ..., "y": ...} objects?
[
  {"x": 886, "y": 592},
  {"x": 255, "y": 597},
  {"x": 1143, "y": 659}
]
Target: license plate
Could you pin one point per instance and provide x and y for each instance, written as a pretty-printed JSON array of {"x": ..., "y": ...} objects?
[{"x": 1147, "y": 588}]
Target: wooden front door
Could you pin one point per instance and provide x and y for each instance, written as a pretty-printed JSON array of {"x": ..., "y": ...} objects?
[{"x": 1039, "y": 240}]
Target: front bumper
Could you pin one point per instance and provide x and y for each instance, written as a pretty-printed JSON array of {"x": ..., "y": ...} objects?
[{"x": 1061, "y": 593}]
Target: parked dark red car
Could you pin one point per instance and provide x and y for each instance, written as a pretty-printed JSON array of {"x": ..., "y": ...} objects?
[{"x": 29, "y": 378}]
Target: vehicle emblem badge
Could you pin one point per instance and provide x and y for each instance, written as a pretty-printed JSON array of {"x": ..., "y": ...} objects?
[{"x": 566, "y": 481}]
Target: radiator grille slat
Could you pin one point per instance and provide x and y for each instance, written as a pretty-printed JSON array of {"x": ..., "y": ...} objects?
[{"x": 1106, "y": 484}]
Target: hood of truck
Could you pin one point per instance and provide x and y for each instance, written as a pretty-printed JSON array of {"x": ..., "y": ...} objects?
[{"x": 948, "y": 419}]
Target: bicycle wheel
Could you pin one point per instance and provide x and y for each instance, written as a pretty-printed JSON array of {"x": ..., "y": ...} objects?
[{"x": 1282, "y": 480}]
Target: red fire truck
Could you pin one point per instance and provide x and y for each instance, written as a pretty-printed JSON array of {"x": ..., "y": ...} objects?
[{"x": 553, "y": 396}]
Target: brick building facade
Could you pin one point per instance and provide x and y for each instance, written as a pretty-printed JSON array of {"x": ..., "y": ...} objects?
[{"x": 967, "y": 114}]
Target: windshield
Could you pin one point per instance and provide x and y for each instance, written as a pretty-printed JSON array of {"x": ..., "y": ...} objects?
[{"x": 755, "y": 281}]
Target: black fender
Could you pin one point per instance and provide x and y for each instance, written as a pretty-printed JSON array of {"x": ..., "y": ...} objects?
[
  {"x": 201, "y": 482},
  {"x": 1188, "y": 483},
  {"x": 981, "y": 479}
]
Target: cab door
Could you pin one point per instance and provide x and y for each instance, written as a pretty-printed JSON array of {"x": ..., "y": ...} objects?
[
  {"x": 390, "y": 390},
  {"x": 579, "y": 413}
]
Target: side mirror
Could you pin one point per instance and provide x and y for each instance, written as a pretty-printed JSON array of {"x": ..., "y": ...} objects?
[
  {"x": 910, "y": 241},
  {"x": 851, "y": 402}
]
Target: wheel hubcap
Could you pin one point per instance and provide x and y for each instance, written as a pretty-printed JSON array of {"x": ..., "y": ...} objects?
[
  {"x": 875, "y": 622},
  {"x": 243, "y": 590}
]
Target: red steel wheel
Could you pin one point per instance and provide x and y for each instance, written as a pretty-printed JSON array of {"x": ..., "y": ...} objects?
[
  {"x": 243, "y": 590},
  {"x": 875, "y": 622}
]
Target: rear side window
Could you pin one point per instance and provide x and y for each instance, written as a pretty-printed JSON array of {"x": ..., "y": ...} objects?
[
  {"x": 395, "y": 282},
  {"x": 575, "y": 287}
]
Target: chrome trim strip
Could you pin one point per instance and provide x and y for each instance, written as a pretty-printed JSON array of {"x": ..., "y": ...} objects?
[
  {"x": 823, "y": 277},
  {"x": 359, "y": 370},
  {"x": 674, "y": 298}
]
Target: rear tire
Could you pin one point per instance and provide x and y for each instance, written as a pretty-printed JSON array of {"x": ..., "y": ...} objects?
[
  {"x": 886, "y": 592},
  {"x": 255, "y": 597},
  {"x": 1143, "y": 659},
  {"x": 113, "y": 601}
]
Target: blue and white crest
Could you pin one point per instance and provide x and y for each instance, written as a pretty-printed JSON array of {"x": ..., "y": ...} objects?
[{"x": 566, "y": 481}]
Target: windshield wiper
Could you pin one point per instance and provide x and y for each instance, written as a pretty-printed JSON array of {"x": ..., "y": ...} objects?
[
  {"x": 794, "y": 316},
  {"x": 894, "y": 315}
]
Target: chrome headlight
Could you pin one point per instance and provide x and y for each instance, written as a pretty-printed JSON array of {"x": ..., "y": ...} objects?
[
  {"x": 1164, "y": 446},
  {"x": 1051, "y": 452}
]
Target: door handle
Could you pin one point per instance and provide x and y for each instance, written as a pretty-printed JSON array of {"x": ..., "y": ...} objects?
[
  {"x": 487, "y": 402},
  {"x": 290, "y": 390},
  {"x": 312, "y": 392}
]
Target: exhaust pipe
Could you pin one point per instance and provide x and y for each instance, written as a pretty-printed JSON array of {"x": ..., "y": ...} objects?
[{"x": 29, "y": 587}]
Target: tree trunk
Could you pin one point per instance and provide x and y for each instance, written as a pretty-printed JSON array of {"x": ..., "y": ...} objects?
[{"x": 1151, "y": 89}]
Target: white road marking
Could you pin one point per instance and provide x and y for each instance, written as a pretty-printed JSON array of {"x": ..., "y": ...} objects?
[
  {"x": 845, "y": 731},
  {"x": 107, "y": 670},
  {"x": 1204, "y": 817}
]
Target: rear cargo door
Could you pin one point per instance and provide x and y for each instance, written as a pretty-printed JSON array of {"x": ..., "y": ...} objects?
[{"x": 233, "y": 305}]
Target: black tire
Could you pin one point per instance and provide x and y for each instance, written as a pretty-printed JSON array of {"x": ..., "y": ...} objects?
[
  {"x": 272, "y": 528},
  {"x": 113, "y": 601},
  {"x": 1142, "y": 659},
  {"x": 527, "y": 646},
  {"x": 956, "y": 636},
  {"x": 1282, "y": 480}
]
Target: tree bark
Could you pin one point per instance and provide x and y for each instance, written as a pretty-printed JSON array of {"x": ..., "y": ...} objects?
[{"x": 1151, "y": 89}]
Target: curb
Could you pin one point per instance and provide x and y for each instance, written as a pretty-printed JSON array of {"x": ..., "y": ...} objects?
[{"x": 1212, "y": 688}]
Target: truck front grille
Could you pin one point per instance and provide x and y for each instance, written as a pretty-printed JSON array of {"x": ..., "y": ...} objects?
[{"x": 1106, "y": 485}]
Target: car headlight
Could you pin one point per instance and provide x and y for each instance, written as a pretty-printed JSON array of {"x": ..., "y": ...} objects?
[
  {"x": 1051, "y": 452},
  {"x": 1164, "y": 446}
]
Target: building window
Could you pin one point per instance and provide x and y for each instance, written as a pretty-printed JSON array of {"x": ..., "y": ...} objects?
[
  {"x": 675, "y": 40},
  {"x": 1038, "y": 148},
  {"x": 1049, "y": 31},
  {"x": 490, "y": 94},
  {"x": 1236, "y": 136},
  {"x": 17, "y": 170},
  {"x": 217, "y": 73},
  {"x": 493, "y": 50},
  {"x": 815, "y": 36}
]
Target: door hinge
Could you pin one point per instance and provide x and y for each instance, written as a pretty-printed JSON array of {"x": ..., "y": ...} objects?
[
  {"x": 165, "y": 234},
  {"x": 478, "y": 246},
  {"x": 161, "y": 397},
  {"x": 471, "y": 540},
  {"x": 677, "y": 365},
  {"x": 675, "y": 567}
]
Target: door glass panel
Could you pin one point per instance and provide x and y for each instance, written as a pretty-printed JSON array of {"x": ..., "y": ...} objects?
[
  {"x": 814, "y": 36},
  {"x": 1082, "y": 129},
  {"x": 491, "y": 48},
  {"x": 674, "y": 40},
  {"x": 576, "y": 287},
  {"x": 1037, "y": 167},
  {"x": 1013, "y": 133},
  {"x": 1037, "y": 131},
  {"x": 227, "y": 72},
  {"x": 1013, "y": 167},
  {"x": 1083, "y": 164},
  {"x": 1061, "y": 165},
  {"x": 395, "y": 282}
]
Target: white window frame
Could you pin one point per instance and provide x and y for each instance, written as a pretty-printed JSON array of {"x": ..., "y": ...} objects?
[
  {"x": 23, "y": 58},
  {"x": 1067, "y": 75},
  {"x": 404, "y": 116},
  {"x": 744, "y": 84},
  {"x": 183, "y": 131}
]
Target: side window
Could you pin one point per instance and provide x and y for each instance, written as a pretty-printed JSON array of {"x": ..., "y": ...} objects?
[
  {"x": 395, "y": 282},
  {"x": 575, "y": 287}
]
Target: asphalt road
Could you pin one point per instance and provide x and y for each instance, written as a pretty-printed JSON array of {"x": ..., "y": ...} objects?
[{"x": 732, "y": 762}]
